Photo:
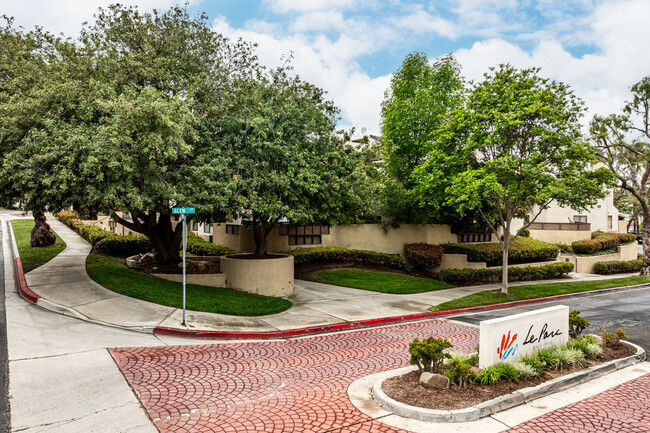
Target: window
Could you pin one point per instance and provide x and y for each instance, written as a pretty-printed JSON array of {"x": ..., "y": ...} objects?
[
  {"x": 176, "y": 217},
  {"x": 112, "y": 224},
  {"x": 579, "y": 218},
  {"x": 304, "y": 235},
  {"x": 207, "y": 229},
  {"x": 610, "y": 222},
  {"x": 113, "y": 229},
  {"x": 195, "y": 226},
  {"x": 232, "y": 229}
]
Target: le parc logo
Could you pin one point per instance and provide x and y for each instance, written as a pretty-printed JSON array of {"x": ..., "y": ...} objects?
[{"x": 506, "y": 349}]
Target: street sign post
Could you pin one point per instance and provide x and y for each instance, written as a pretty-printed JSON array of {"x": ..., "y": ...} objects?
[{"x": 183, "y": 211}]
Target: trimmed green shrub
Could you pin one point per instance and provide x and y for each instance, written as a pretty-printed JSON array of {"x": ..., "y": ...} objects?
[
  {"x": 199, "y": 247},
  {"x": 123, "y": 245},
  {"x": 533, "y": 361},
  {"x": 521, "y": 250},
  {"x": 559, "y": 357},
  {"x": 576, "y": 324},
  {"x": 590, "y": 350},
  {"x": 66, "y": 216},
  {"x": 525, "y": 370},
  {"x": 333, "y": 254},
  {"x": 493, "y": 275},
  {"x": 617, "y": 267},
  {"x": 601, "y": 241},
  {"x": 428, "y": 354},
  {"x": 460, "y": 369},
  {"x": 612, "y": 339},
  {"x": 423, "y": 256},
  {"x": 524, "y": 233}
]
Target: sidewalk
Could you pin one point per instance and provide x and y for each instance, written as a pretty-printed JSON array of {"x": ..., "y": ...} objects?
[{"x": 63, "y": 285}]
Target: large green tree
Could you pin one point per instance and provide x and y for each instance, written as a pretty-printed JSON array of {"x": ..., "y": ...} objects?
[
  {"x": 289, "y": 161},
  {"x": 515, "y": 142},
  {"x": 623, "y": 141},
  {"x": 420, "y": 97}
]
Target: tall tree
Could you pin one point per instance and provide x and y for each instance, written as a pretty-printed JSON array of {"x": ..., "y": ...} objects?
[
  {"x": 289, "y": 163},
  {"x": 421, "y": 95},
  {"x": 623, "y": 141},
  {"x": 515, "y": 142}
]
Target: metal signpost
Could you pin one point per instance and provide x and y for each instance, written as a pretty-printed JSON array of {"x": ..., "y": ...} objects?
[{"x": 182, "y": 211}]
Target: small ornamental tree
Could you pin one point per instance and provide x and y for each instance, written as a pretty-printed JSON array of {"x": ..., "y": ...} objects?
[
  {"x": 516, "y": 143},
  {"x": 623, "y": 141}
]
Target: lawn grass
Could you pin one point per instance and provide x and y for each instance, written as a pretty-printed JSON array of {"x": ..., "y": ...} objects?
[
  {"x": 33, "y": 257},
  {"x": 533, "y": 291},
  {"x": 110, "y": 273},
  {"x": 384, "y": 282}
]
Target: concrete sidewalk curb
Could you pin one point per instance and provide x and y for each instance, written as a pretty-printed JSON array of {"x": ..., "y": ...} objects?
[
  {"x": 344, "y": 326},
  {"x": 504, "y": 402},
  {"x": 44, "y": 303}
]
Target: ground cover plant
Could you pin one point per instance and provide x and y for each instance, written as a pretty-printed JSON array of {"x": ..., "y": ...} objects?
[
  {"x": 423, "y": 256},
  {"x": 384, "y": 282},
  {"x": 532, "y": 291},
  {"x": 33, "y": 257},
  {"x": 521, "y": 250},
  {"x": 110, "y": 273}
]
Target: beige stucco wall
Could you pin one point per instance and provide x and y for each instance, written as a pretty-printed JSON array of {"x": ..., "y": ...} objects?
[
  {"x": 585, "y": 265},
  {"x": 560, "y": 236},
  {"x": 622, "y": 226},
  {"x": 370, "y": 237},
  {"x": 596, "y": 215},
  {"x": 458, "y": 261},
  {"x": 269, "y": 277}
]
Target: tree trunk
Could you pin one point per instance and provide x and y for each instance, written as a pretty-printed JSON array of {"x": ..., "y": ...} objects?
[
  {"x": 41, "y": 235},
  {"x": 504, "y": 264},
  {"x": 165, "y": 240},
  {"x": 260, "y": 231},
  {"x": 645, "y": 234}
]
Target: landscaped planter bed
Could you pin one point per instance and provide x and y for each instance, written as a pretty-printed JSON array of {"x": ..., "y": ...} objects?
[
  {"x": 403, "y": 395},
  {"x": 268, "y": 276}
]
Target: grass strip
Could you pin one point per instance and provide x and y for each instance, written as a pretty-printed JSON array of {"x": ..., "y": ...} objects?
[
  {"x": 110, "y": 273},
  {"x": 532, "y": 291},
  {"x": 384, "y": 282},
  {"x": 33, "y": 257}
]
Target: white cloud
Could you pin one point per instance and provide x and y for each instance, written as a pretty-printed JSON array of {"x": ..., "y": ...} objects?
[
  {"x": 322, "y": 20},
  {"x": 66, "y": 16},
  {"x": 284, "y": 6},
  {"x": 328, "y": 64},
  {"x": 421, "y": 21}
]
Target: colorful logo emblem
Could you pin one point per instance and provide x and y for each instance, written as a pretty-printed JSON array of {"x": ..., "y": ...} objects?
[{"x": 506, "y": 349}]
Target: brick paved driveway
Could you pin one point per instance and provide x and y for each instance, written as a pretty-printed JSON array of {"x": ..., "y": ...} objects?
[
  {"x": 274, "y": 386},
  {"x": 623, "y": 409}
]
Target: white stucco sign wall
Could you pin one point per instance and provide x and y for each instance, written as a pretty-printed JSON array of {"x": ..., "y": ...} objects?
[{"x": 506, "y": 338}]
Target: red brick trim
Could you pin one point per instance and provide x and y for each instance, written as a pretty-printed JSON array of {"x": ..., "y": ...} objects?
[{"x": 22, "y": 283}]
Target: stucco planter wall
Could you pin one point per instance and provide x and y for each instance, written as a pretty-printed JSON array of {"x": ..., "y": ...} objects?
[
  {"x": 210, "y": 280},
  {"x": 585, "y": 265},
  {"x": 269, "y": 277}
]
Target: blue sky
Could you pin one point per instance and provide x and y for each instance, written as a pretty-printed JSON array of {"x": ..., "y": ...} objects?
[{"x": 351, "y": 47}]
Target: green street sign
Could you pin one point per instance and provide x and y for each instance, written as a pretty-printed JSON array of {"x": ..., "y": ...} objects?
[{"x": 182, "y": 210}]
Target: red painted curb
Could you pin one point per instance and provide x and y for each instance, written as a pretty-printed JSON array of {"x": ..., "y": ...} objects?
[
  {"x": 244, "y": 335},
  {"x": 22, "y": 283}
]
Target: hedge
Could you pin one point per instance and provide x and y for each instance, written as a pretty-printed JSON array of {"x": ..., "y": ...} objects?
[
  {"x": 617, "y": 267},
  {"x": 493, "y": 275},
  {"x": 522, "y": 250},
  {"x": 423, "y": 256},
  {"x": 199, "y": 247},
  {"x": 602, "y": 241},
  {"x": 123, "y": 245},
  {"x": 333, "y": 254}
]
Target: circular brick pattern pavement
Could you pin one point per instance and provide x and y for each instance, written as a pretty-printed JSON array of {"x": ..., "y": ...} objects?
[
  {"x": 623, "y": 408},
  {"x": 273, "y": 386}
]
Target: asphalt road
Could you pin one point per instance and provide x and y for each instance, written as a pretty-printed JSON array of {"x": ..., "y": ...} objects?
[
  {"x": 4, "y": 368},
  {"x": 628, "y": 310}
]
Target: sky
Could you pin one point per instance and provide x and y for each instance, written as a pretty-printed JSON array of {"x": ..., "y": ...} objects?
[{"x": 351, "y": 48}]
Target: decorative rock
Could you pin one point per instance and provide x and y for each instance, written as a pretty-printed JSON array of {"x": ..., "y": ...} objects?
[
  {"x": 434, "y": 381},
  {"x": 149, "y": 257},
  {"x": 132, "y": 262},
  {"x": 202, "y": 266},
  {"x": 598, "y": 338},
  {"x": 475, "y": 369}
]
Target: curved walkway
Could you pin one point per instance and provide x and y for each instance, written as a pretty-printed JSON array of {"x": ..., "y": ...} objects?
[{"x": 63, "y": 285}]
